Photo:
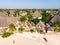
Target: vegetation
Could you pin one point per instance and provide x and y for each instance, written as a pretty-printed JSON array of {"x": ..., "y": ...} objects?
[
  {"x": 8, "y": 12},
  {"x": 36, "y": 20},
  {"x": 45, "y": 16},
  {"x": 23, "y": 18},
  {"x": 21, "y": 29},
  {"x": 16, "y": 13},
  {"x": 56, "y": 26},
  {"x": 28, "y": 11},
  {"x": 31, "y": 30},
  {"x": 39, "y": 30},
  {"x": 29, "y": 17},
  {"x": 33, "y": 10},
  {"x": 6, "y": 34},
  {"x": 1, "y": 10},
  {"x": 12, "y": 27}
]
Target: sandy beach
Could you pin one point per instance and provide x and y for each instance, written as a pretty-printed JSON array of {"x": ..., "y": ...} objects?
[{"x": 30, "y": 39}]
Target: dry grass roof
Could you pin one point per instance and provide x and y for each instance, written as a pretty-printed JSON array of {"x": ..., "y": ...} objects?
[
  {"x": 5, "y": 21},
  {"x": 36, "y": 14},
  {"x": 55, "y": 19}
]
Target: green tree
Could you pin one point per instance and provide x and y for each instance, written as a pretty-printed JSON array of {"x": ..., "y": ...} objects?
[
  {"x": 23, "y": 18},
  {"x": 8, "y": 12},
  {"x": 56, "y": 26},
  {"x": 16, "y": 13},
  {"x": 45, "y": 16},
  {"x": 12, "y": 28},
  {"x": 6, "y": 34},
  {"x": 36, "y": 20},
  {"x": 33, "y": 10},
  {"x": 21, "y": 29},
  {"x": 29, "y": 17},
  {"x": 28, "y": 11}
]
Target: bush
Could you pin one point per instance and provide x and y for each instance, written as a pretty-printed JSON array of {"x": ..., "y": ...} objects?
[
  {"x": 6, "y": 34},
  {"x": 56, "y": 26},
  {"x": 31, "y": 30},
  {"x": 41, "y": 31},
  {"x": 21, "y": 29},
  {"x": 12, "y": 27}
]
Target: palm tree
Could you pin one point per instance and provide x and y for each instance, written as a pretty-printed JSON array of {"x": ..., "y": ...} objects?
[
  {"x": 8, "y": 12},
  {"x": 45, "y": 16},
  {"x": 16, "y": 13}
]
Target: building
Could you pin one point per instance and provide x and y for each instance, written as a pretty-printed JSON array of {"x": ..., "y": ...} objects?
[
  {"x": 41, "y": 25},
  {"x": 55, "y": 19},
  {"x": 5, "y": 21},
  {"x": 23, "y": 13},
  {"x": 37, "y": 15}
]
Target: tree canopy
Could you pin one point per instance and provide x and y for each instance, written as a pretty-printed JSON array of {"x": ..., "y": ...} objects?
[
  {"x": 56, "y": 26},
  {"x": 36, "y": 20},
  {"x": 8, "y": 12},
  {"x": 45, "y": 16},
  {"x": 32, "y": 30},
  {"x": 16, "y": 13},
  {"x": 23, "y": 18}
]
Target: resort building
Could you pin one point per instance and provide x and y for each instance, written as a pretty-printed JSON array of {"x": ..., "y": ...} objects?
[
  {"x": 55, "y": 19},
  {"x": 37, "y": 15},
  {"x": 23, "y": 13}
]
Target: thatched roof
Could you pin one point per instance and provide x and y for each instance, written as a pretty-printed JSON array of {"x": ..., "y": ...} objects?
[
  {"x": 5, "y": 21},
  {"x": 3, "y": 14},
  {"x": 11, "y": 12},
  {"x": 55, "y": 19},
  {"x": 40, "y": 24},
  {"x": 36, "y": 14}
]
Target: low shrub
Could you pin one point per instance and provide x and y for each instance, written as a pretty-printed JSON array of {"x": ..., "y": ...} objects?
[
  {"x": 31, "y": 30},
  {"x": 6, "y": 34}
]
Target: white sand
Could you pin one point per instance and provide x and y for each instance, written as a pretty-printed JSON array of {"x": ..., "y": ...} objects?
[{"x": 30, "y": 39}]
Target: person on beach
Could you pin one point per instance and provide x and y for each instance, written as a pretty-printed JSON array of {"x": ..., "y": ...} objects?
[{"x": 13, "y": 41}]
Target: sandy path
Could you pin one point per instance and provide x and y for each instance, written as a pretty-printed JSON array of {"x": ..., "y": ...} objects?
[
  {"x": 31, "y": 39},
  {"x": 19, "y": 40},
  {"x": 53, "y": 39}
]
